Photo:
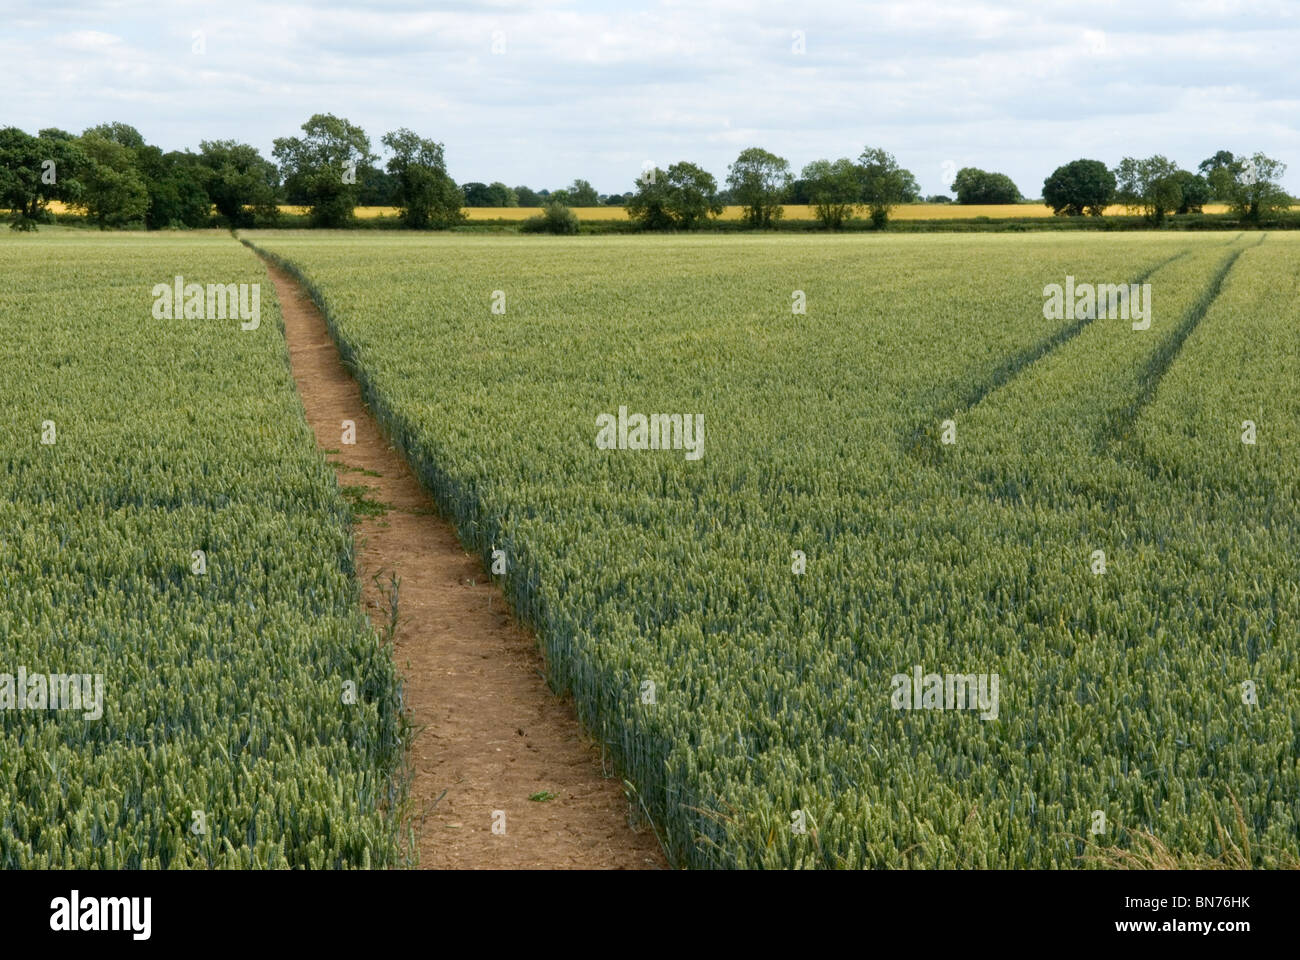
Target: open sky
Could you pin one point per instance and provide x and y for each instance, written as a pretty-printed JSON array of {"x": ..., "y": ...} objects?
[{"x": 541, "y": 92}]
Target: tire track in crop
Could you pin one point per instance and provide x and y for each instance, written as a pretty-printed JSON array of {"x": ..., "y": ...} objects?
[
  {"x": 920, "y": 445},
  {"x": 1119, "y": 422},
  {"x": 487, "y": 733}
]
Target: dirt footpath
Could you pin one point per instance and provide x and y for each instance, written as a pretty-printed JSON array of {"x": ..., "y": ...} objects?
[{"x": 489, "y": 734}]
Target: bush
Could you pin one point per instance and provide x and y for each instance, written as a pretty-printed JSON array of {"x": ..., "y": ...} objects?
[{"x": 555, "y": 218}]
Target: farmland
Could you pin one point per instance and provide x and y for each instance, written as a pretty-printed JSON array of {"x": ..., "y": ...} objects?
[
  {"x": 1096, "y": 536},
  {"x": 792, "y": 211},
  {"x": 167, "y": 526}
]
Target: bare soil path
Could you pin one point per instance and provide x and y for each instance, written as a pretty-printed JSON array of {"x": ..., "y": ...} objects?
[{"x": 489, "y": 733}]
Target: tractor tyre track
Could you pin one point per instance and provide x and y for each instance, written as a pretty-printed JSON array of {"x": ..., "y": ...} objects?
[
  {"x": 1120, "y": 422},
  {"x": 919, "y": 444}
]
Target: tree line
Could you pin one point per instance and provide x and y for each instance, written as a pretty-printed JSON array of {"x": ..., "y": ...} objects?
[
  {"x": 117, "y": 180},
  {"x": 683, "y": 196}
]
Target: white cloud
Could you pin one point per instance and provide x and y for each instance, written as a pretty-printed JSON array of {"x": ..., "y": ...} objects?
[
  {"x": 589, "y": 89},
  {"x": 88, "y": 41}
]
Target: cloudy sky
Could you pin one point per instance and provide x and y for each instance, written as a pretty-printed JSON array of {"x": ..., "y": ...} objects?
[{"x": 541, "y": 92}]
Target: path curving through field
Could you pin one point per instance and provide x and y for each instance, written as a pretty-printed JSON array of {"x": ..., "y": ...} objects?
[{"x": 488, "y": 732}]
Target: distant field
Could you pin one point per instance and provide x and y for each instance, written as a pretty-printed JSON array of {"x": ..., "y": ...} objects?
[
  {"x": 733, "y": 626},
  {"x": 910, "y": 211}
]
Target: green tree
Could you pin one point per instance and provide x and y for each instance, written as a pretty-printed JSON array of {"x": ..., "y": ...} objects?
[
  {"x": 1195, "y": 190},
  {"x": 799, "y": 191},
  {"x": 1149, "y": 185},
  {"x": 833, "y": 188},
  {"x": 120, "y": 133},
  {"x": 323, "y": 165},
  {"x": 692, "y": 195},
  {"x": 428, "y": 198},
  {"x": 1250, "y": 186},
  {"x": 376, "y": 187},
  {"x": 1221, "y": 159},
  {"x": 758, "y": 181},
  {"x": 911, "y": 189},
  {"x": 477, "y": 194},
  {"x": 174, "y": 183},
  {"x": 582, "y": 194},
  {"x": 973, "y": 185},
  {"x": 240, "y": 182},
  {"x": 502, "y": 195},
  {"x": 37, "y": 170},
  {"x": 528, "y": 197},
  {"x": 114, "y": 192},
  {"x": 1079, "y": 187},
  {"x": 649, "y": 205},
  {"x": 884, "y": 184},
  {"x": 682, "y": 197}
]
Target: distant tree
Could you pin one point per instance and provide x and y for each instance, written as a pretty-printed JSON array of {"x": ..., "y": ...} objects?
[
  {"x": 37, "y": 170},
  {"x": 561, "y": 197},
  {"x": 910, "y": 190},
  {"x": 1250, "y": 185},
  {"x": 527, "y": 197},
  {"x": 114, "y": 192},
  {"x": 174, "y": 183},
  {"x": 758, "y": 181},
  {"x": 616, "y": 199},
  {"x": 683, "y": 197},
  {"x": 1195, "y": 190},
  {"x": 502, "y": 195},
  {"x": 476, "y": 194},
  {"x": 939, "y": 198},
  {"x": 884, "y": 183},
  {"x": 119, "y": 133},
  {"x": 376, "y": 187},
  {"x": 834, "y": 189},
  {"x": 650, "y": 203},
  {"x": 495, "y": 194},
  {"x": 239, "y": 181},
  {"x": 973, "y": 185},
  {"x": 1079, "y": 187},
  {"x": 323, "y": 164},
  {"x": 1149, "y": 185},
  {"x": 799, "y": 191},
  {"x": 1222, "y": 159},
  {"x": 427, "y": 197},
  {"x": 583, "y": 194},
  {"x": 692, "y": 195}
]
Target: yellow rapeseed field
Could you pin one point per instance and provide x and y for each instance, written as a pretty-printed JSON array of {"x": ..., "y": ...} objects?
[{"x": 907, "y": 211}]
